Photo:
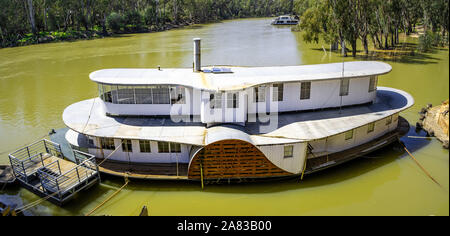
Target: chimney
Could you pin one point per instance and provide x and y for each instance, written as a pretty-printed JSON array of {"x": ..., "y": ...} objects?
[{"x": 197, "y": 61}]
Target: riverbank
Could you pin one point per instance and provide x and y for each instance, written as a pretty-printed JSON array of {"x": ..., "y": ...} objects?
[
  {"x": 435, "y": 122},
  {"x": 95, "y": 33}
]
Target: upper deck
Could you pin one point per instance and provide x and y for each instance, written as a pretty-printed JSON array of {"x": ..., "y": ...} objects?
[
  {"x": 87, "y": 117},
  {"x": 240, "y": 77}
]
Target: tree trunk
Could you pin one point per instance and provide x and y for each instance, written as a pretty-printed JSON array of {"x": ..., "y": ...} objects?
[
  {"x": 354, "y": 48},
  {"x": 31, "y": 16},
  {"x": 365, "y": 44},
  {"x": 386, "y": 41},
  {"x": 45, "y": 16},
  {"x": 341, "y": 38},
  {"x": 334, "y": 46}
]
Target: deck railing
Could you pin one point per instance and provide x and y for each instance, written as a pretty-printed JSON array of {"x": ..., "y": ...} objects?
[
  {"x": 27, "y": 160},
  {"x": 54, "y": 181}
]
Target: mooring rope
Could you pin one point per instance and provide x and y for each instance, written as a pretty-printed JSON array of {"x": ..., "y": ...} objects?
[
  {"x": 117, "y": 148},
  {"x": 110, "y": 197},
  {"x": 421, "y": 167},
  {"x": 35, "y": 203}
]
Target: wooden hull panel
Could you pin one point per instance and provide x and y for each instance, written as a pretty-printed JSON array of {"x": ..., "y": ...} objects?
[{"x": 232, "y": 159}]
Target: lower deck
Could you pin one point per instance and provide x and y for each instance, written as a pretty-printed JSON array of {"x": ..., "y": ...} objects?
[{"x": 174, "y": 171}]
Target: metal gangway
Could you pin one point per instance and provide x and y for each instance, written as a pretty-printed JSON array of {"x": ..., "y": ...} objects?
[{"x": 42, "y": 168}]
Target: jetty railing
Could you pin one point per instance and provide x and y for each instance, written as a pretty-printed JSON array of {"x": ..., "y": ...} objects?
[
  {"x": 64, "y": 185},
  {"x": 41, "y": 167},
  {"x": 27, "y": 160}
]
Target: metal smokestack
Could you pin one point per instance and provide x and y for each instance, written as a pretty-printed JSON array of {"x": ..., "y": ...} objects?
[{"x": 197, "y": 61}]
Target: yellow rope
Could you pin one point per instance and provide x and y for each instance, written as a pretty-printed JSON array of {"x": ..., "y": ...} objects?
[
  {"x": 35, "y": 203},
  {"x": 110, "y": 197},
  {"x": 426, "y": 172},
  {"x": 117, "y": 148}
]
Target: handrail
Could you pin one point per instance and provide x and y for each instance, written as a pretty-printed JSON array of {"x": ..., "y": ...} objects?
[
  {"x": 38, "y": 146},
  {"x": 69, "y": 171}
]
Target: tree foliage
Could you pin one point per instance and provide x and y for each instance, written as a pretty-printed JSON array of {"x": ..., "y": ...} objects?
[{"x": 347, "y": 21}]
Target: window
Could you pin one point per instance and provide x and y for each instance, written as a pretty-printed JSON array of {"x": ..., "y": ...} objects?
[
  {"x": 126, "y": 145},
  {"x": 371, "y": 127},
  {"x": 166, "y": 147},
  {"x": 215, "y": 100},
  {"x": 175, "y": 147},
  {"x": 125, "y": 95},
  {"x": 277, "y": 92},
  {"x": 143, "y": 95},
  {"x": 349, "y": 135},
  {"x": 163, "y": 147},
  {"x": 288, "y": 151},
  {"x": 144, "y": 146},
  {"x": 372, "y": 84},
  {"x": 232, "y": 100},
  {"x": 100, "y": 92},
  {"x": 259, "y": 94},
  {"x": 389, "y": 120},
  {"x": 106, "y": 93},
  {"x": 107, "y": 143},
  {"x": 91, "y": 142},
  {"x": 305, "y": 90},
  {"x": 161, "y": 95},
  {"x": 177, "y": 95},
  {"x": 344, "y": 87}
]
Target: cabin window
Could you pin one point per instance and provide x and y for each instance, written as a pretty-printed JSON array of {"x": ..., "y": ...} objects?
[
  {"x": 107, "y": 143},
  {"x": 161, "y": 95},
  {"x": 232, "y": 100},
  {"x": 125, "y": 95},
  {"x": 91, "y": 143},
  {"x": 372, "y": 84},
  {"x": 100, "y": 92},
  {"x": 106, "y": 93},
  {"x": 389, "y": 120},
  {"x": 163, "y": 147},
  {"x": 114, "y": 94},
  {"x": 143, "y": 95},
  {"x": 144, "y": 146},
  {"x": 288, "y": 151},
  {"x": 344, "y": 87},
  {"x": 259, "y": 94},
  {"x": 371, "y": 127},
  {"x": 177, "y": 95},
  {"x": 175, "y": 147},
  {"x": 277, "y": 92},
  {"x": 126, "y": 145},
  {"x": 215, "y": 100},
  {"x": 349, "y": 135},
  {"x": 305, "y": 90}
]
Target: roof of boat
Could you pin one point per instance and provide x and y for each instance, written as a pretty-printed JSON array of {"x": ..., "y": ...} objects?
[
  {"x": 89, "y": 118},
  {"x": 236, "y": 78}
]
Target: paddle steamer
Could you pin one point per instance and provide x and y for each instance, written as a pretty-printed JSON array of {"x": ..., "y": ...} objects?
[{"x": 235, "y": 123}]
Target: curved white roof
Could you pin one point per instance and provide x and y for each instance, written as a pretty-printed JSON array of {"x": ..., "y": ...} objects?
[
  {"x": 241, "y": 77},
  {"x": 88, "y": 117}
]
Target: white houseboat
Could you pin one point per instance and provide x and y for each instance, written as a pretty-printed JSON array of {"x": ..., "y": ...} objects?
[
  {"x": 285, "y": 20},
  {"x": 222, "y": 123}
]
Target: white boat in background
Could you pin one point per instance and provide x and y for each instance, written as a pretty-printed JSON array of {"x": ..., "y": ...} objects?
[{"x": 285, "y": 20}]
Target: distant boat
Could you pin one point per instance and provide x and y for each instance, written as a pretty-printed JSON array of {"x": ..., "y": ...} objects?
[{"x": 285, "y": 20}]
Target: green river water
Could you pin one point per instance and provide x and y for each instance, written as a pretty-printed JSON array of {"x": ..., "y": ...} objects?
[{"x": 38, "y": 82}]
